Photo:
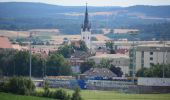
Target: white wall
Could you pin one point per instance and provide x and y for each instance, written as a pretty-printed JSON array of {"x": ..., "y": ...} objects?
[
  {"x": 153, "y": 81},
  {"x": 87, "y": 38}
]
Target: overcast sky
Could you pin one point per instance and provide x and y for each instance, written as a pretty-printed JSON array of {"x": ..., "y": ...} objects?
[{"x": 98, "y": 2}]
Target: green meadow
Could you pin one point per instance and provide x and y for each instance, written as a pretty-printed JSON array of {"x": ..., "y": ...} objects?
[{"x": 93, "y": 95}]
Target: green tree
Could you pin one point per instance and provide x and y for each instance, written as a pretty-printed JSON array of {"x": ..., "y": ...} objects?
[
  {"x": 66, "y": 50},
  {"x": 22, "y": 63},
  {"x": 57, "y": 65},
  {"x": 105, "y": 63},
  {"x": 155, "y": 71},
  {"x": 21, "y": 85},
  {"x": 87, "y": 65},
  {"x": 110, "y": 46},
  {"x": 116, "y": 70},
  {"x": 61, "y": 95}
]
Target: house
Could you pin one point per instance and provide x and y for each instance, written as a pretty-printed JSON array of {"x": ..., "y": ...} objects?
[
  {"x": 77, "y": 58},
  {"x": 99, "y": 73},
  {"x": 118, "y": 60}
]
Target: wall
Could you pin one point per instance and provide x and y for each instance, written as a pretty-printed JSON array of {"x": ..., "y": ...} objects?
[{"x": 153, "y": 81}]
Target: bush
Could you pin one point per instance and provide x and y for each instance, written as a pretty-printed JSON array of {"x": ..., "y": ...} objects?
[
  {"x": 47, "y": 92},
  {"x": 61, "y": 95},
  {"x": 4, "y": 87},
  {"x": 76, "y": 95},
  {"x": 20, "y": 85}
]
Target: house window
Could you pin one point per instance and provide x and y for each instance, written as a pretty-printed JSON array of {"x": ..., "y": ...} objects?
[
  {"x": 83, "y": 37},
  {"x": 151, "y": 58},
  {"x": 151, "y": 53}
]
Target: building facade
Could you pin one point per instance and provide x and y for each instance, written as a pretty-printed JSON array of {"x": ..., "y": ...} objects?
[
  {"x": 86, "y": 30},
  {"x": 149, "y": 54}
]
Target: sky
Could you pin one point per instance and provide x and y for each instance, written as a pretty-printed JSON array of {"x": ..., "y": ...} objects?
[{"x": 123, "y": 3}]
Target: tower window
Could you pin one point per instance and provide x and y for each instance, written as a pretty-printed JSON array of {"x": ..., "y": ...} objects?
[{"x": 88, "y": 37}]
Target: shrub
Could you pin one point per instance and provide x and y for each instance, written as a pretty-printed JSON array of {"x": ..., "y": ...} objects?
[
  {"x": 76, "y": 95},
  {"x": 61, "y": 95},
  {"x": 4, "y": 87},
  {"x": 46, "y": 90},
  {"x": 20, "y": 85}
]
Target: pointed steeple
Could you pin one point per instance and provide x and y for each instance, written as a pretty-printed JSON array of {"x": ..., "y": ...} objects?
[{"x": 86, "y": 25}]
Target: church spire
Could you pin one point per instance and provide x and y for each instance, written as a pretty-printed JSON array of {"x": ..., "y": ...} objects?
[{"x": 86, "y": 25}]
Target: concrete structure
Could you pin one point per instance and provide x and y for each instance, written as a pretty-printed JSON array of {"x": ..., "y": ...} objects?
[
  {"x": 153, "y": 81},
  {"x": 86, "y": 30},
  {"x": 149, "y": 54},
  {"x": 119, "y": 60}
]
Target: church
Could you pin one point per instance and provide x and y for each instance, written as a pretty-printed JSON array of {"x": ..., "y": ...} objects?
[{"x": 86, "y": 30}]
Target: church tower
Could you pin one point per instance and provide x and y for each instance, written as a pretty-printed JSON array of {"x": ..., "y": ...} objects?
[{"x": 86, "y": 30}]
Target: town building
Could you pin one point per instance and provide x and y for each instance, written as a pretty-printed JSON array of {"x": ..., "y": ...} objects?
[
  {"x": 118, "y": 60},
  {"x": 86, "y": 30},
  {"x": 148, "y": 54}
]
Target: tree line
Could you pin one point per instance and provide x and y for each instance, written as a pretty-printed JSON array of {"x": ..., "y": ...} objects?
[
  {"x": 156, "y": 70},
  {"x": 16, "y": 63}
]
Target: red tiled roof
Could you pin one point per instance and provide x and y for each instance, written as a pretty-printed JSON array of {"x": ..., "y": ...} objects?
[{"x": 5, "y": 43}]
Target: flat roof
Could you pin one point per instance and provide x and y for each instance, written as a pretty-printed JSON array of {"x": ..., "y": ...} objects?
[{"x": 107, "y": 56}]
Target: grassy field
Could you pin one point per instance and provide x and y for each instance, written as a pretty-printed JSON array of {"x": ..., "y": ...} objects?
[
  {"x": 113, "y": 95},
  {"x": 7, "y": 96},
  {"x": 94, "y": 95}
]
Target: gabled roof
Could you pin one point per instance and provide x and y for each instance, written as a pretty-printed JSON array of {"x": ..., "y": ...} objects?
[
  {"x": 100, "y": 72},
  {"x": 80, "y": 54}
]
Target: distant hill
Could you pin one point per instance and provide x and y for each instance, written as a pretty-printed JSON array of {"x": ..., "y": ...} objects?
[
  {"x": 27, "y": 9},
  {"x": 155, "y": 11},
  {"x": 25, "y": 16}
]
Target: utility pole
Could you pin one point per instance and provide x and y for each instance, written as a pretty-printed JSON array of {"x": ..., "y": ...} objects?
[
  {"x": 163, "y": 60},
  {"x": 133, "y": 65},
  {"x": 30, "y": 37},
  {"x": 133, "y": 57}
]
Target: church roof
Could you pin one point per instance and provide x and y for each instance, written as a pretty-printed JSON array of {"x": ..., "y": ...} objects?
[{"x": 86, "y": 25}]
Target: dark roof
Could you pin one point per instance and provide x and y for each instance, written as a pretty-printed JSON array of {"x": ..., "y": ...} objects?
[
  {"x": 80, "y": 54},
  {"x": 86, "y": 25},
  {"x": 100, "y": 72}
]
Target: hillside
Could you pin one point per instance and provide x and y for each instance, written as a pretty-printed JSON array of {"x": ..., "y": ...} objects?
[{"x": 25, "y": 16}]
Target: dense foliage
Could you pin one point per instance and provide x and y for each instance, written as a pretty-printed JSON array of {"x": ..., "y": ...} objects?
[
  {"x": 57, "y": 65},
  {"x": 18, "y": 85},
  {"x": 87, "y": 65},
  {"x": 16, "y": 63},
  {"x": 76, "y": 95},
  {"x": 154, "y": 71}
]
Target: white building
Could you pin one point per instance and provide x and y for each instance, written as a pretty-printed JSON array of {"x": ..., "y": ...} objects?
[
  {"x": 149, "y": 54},
  {"x": 86, "y": 30},
  {"x": 118, "y": 60}
]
